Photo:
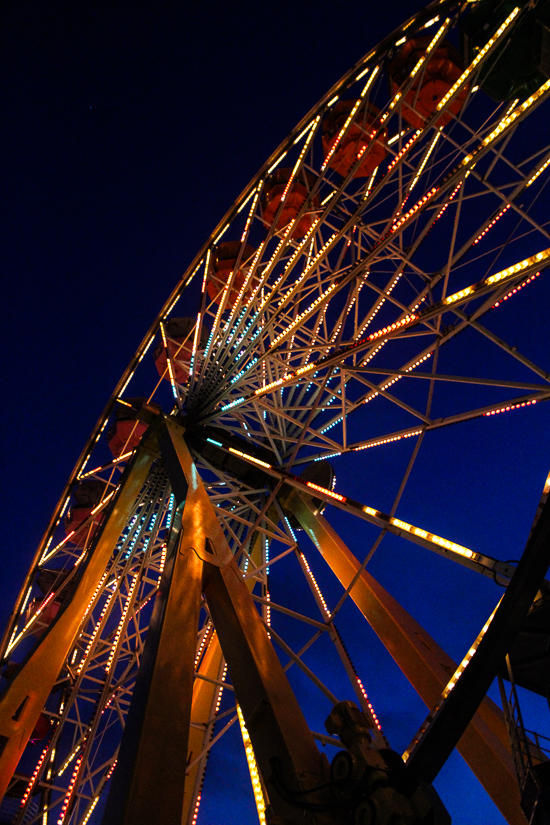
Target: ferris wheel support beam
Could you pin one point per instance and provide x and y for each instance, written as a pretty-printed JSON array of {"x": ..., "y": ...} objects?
[
  {"x": 470, "y": 685},
  {"x": 484, "y": 745},
  {"x": 22, "y": 703},
  {"x": 148, "y": 784}
]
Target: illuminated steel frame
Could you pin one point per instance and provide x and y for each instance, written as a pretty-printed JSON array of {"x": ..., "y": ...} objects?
[{"x": 330, "y": 347}]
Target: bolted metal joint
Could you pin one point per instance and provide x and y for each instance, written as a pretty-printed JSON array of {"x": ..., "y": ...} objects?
[{"x": 373, "y": 783}]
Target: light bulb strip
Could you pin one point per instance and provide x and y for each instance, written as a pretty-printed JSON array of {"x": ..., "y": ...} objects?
[
  {"x": 507, "y": 121},
  {"x": 34, "y": 776},
  {"x": 478, "y": 58},
  {"x": 319, "y": 596},
  {"x": 492, "y": 223},
  {"x": 253, "y": 769},
  {"x": 300, "y": 159},
  {"x": 516, "y": 289},
  {"x": 432, "y": 541},
  {"x": 422, "y": 166},
  {"x": 122, "y": 622},
  {"x": 448, "y": 688},
  {"x": 69, "y": 793},
  {"x": 343, "y": 131}
]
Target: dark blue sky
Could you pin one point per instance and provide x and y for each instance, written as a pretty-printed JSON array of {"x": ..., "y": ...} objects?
[{"x": 127, "y": 131}]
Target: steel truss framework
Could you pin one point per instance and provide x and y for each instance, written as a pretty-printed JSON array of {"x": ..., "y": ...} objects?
[{"x": 379, "y": 325}]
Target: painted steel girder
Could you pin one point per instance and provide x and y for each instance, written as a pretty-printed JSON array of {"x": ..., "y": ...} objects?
[
  {"x": 24, "y": 699},
  {"x": 485, "y": 744},
  {"x": 158, "y": 725},
  {"x": 148, "y": 783},
  {"x": 203, "y": 708}
]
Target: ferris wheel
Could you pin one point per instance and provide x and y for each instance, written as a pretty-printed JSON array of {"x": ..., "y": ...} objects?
[{"x": 271, "y": 474}]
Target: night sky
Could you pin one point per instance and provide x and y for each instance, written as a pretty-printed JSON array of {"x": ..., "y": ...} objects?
[{"x": 127, "y": 131}]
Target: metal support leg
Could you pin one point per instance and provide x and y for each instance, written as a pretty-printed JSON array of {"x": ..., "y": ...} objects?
[
  {"x": 23, "y": 701},
  {"x": 148, "y": 784},
  {"x": 149, "y": 779},
  {"x": 484, "y": 745}
]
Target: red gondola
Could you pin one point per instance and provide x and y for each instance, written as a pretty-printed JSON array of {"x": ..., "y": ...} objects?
[
  {"x": 45, "y": 618},
  {"x": 432, "y": 82},
  {"x": 294, "y": 200},
  {"x": 179, "y": 333},
  {"x": 42, "y": 728},
  {"x": 224, "y": 259},
  {"x": 74, "y": 523},
  {"x": 358, "y": 135}
]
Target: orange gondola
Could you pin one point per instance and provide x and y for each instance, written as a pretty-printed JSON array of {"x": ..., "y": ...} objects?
[
  {"x": 353, "y": 143},
  {"x": 297, "y": 193},
  {"x": 88, "y": 494},
  {"x": 179, "y": 339},
  {"x": 224, "y": 259},
  {"x": 125, "y": 434},
  {"x": 431, "y": 84}
]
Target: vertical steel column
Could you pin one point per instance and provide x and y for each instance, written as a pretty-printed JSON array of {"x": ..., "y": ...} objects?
[
  {"x": 149, "y": 780},
  {"x": 22, "y": 702},
  {"x": 283, "y": 745},
  {"x": 280, "y": 736},
  {"x": 484, "y": 744}
]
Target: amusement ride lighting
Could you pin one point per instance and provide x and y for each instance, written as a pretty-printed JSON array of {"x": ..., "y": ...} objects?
[
  {"x": 515, "y": 289},
  {"x": 276, "y": 163},
  {"x": 30, "y": 622},
  {"x": 234, "y": 403},
  {"x": 251, "y": 212},
  {"x": 69, "y": 759},
  {"x": 490, "y": 226},
  {"x": 402, "y": 151},
  {"x": 450, "y": 685},
  {"x": 195, "y": 344},
  {"x": 205, "y": 638},
  {"x": 392, "y": 327},
  {"x": 253, "y": 192},
  {"x": 222, "y": 233},
  {"x": 206, "y": 268},
  {"x": 426, "y": 158},
  {"x": 303, "y": 315},
  {"x": 90, "y": 810},
  {"x": 477, "y": 59},
  {"x": 303, "y": 132},
  {"x": 422, "y": 202},
  {"x": 326, "y": 492},
  {"x": 34, "y": 775},
  {"x": 121, "y": 622},
  {"x": 253, "y": 769},
  {"x": 431, "y": 46},
  {"x": 441, "y": 542},
  {"x": 313, "y": 581},
  {"x": 69, "y": 793},
  {"x": 396, "y": 137},
  {"x": 350, "y": 117},
  {"x": 511, "y": 407},
  {"x": 95, "y": 631},
  {"x": 196, "y": 811},
  {"x": 250, "y": 458},
  {"x": 508, "y": 120},
  {"x": 300, "y": 158},
  {"x": 539, "y": 171},
  {"x": 388, "y": 440}
]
